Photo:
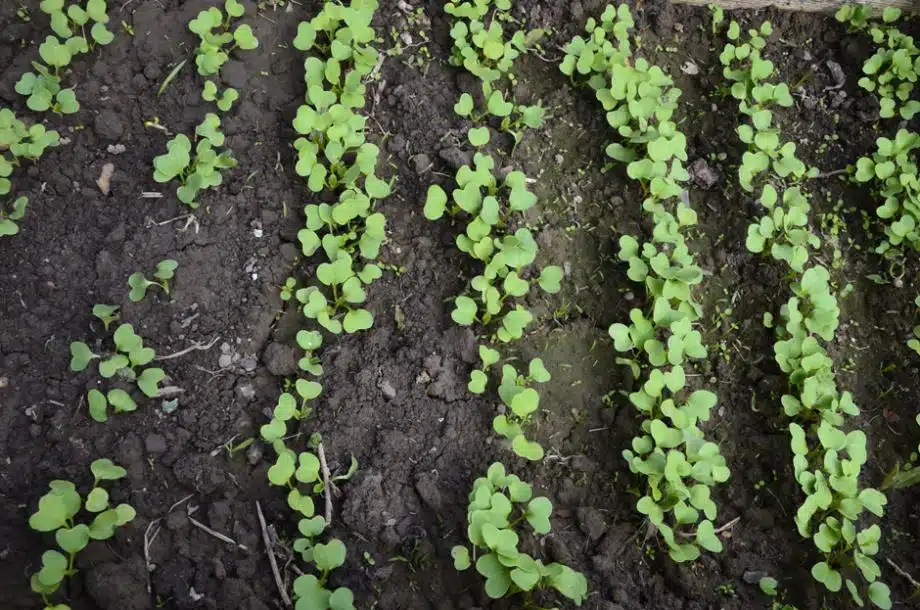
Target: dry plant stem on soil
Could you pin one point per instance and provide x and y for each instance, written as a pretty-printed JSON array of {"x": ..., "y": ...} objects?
[
  {"x": 800, "y": 5},
  {"x": 266, "y": 540}
]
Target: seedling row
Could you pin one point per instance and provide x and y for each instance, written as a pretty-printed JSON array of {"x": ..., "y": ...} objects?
[{"x": 488, "y": 205}]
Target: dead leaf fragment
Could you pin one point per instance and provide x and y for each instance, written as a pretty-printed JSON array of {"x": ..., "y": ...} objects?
[{"x": 105, "y": 178}]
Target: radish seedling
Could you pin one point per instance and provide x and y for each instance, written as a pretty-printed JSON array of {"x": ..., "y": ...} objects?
[
  {"x": 827, "y": 461},
  {"x": 679, "y": 466},
  {"x": 58, "y": 511},
  {"x": 106, "y": 313},
  {"x": 499, "y": 504},
  {"x": 8, "y": 218},
  {"x": 139, "y": 283},
  {"x": 216, "y": 41},
  {"x": 891, "y": 72},
  {"x": 197, "y": 172},
  {"x": 490, "y": 206},
  {"x": 127, "y": 361}
]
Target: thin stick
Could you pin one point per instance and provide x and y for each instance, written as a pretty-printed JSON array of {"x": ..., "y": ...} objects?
[
  {"x": 216, "y": 534},
  {"x": 271, "y": 557},
  {"x": 148, "y": 540},
  {"x": 834, "y": 172},
  {"x": 798, "y": 5},
  {"x": 191, "y": 348},
  {"x": 900, "y": 571},
  {"x": 327, "y": 483},
  {"x": 719, "y": 530}
]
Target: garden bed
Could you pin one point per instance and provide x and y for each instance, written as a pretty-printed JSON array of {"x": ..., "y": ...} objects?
[{"x": 395, "y": 397}]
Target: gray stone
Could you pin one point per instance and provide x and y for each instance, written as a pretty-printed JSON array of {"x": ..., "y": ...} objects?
[
  {"x": 427, "y": 488},
  {"x": 422, "y": 163},
  {"x": 155, "y": 444},
  {"x": 280, "y": 359},
  {"x": 233, "y": 74},
  {"x": 389, "y": 392},
  {"x": 108, "y": 125},
  {"x": 704, "y": 176},
  {"x": 455, "y": 157},
  {"x": 592, "y": 523}
]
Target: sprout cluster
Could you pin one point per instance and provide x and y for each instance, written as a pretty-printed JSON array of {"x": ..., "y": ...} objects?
[
  {"x": 58, "y": 512},
  {"x": 827, "y": 461},
  {"x": 200, "y": 166},
  {"x": 499, "y": 504},
  {"x": 69, "y": 22},
  {"x": 891, "y": 72},
  {"x": 127, "y": 361},
  {"x": 18, "y": 143},
  {"x": 339, "y": 165},
  {"x": 679, "y": 465},
  {"x": 492, "y": 205}
]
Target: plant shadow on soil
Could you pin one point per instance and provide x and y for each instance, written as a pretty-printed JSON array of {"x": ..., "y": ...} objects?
[{"x": 396, "y": 396}]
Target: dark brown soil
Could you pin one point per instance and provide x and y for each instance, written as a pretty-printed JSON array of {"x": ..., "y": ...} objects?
[{"x": 395, "y": 397}]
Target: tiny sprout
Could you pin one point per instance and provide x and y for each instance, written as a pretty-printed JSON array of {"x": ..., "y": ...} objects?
[
  {"x": 106, "y": 313},
  {"x": 139, "y": 283}
]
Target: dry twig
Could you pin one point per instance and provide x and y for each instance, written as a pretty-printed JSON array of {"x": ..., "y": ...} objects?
[
  {"x": 194, "y": 347},
  {"x": 327, "y": 483},
  {"x": 717, "y": 531},
  {"x": 271, "y": 557},
  {"x": 214, "y": 533},
  {"x": 903, "y": 573}
]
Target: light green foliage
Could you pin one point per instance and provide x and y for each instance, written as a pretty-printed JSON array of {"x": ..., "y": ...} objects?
[
  {"x": 216, "y": 40},
  {"x": 520, "y": 399},
  {"x": 106, "y": 313},
  {"x": 783, "y": 230},
  {"x": 678, "y": 465},
  {"x": 128, "y": 361},
  {"x": 334, "y": 156},
  {"x": 197, "y": 172},
  {"x": 335, "y": 159},
  {"x": 70, "y": 23},
  {"x": 58, "y": 512},
  {"x": 490, "y": 205},
  {"x": 827, "y": 461},
  {"x": 489, "y": 54},
  {"x": 892, "y": 71},
  {"x": 891, "y": 171},
  {"x": 8, "y": 217},
  {"x": 18, "y": 143},
  {"x": 204, "y": 168},
  {"x": 300, "y": 474},
  {"x": 499, "y": 504},
  {"x": 139, "y": 283}
]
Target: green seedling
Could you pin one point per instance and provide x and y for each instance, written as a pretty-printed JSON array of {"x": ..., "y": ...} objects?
[
  {"x": 295, "y": 472},
  {"x": 521, "y": 401},
  {"x": 70, "y": 22},
  {"x": 891, "y": 171},
  {"x": 197, "y": 172},
  {"x": 58, "y": 512},
  {"x": 216, "y": 41},
  {"x": 127, "y": 361},
  {"x": 9, "y": 218},
  {"x": 827, "y": 461},
  {"x": 891, "y": 72},
  {"x": 679, "y": 467},
  {"x": 335, "y": 160},
  {"x": 107, "y": 314},
  {"x": 224, "y": 101},
  {"x": 139, "y": 283},
  {"x": 489, "y": 205},
  {"x": 43, "y": 87},
  {"x": 499, "y": 504}
]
